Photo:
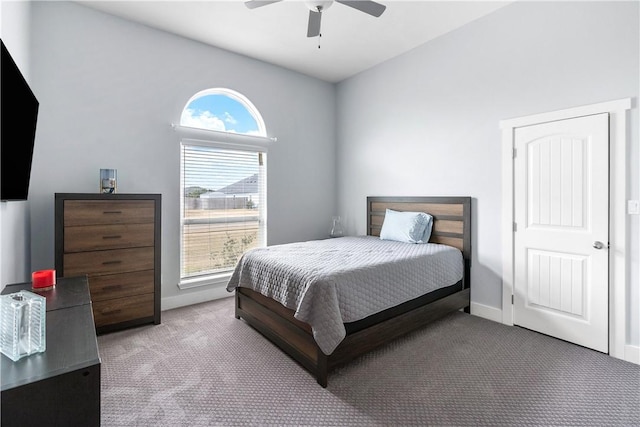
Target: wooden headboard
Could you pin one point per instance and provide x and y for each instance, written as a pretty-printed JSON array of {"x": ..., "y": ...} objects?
[{"x": 451, "y": 220}]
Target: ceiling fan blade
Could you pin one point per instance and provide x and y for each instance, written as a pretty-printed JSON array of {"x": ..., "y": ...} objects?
[
  {"x": 313, "y": 29},
  {"x": 252, "y": 4},
  {"x": 366, "y": 6}
]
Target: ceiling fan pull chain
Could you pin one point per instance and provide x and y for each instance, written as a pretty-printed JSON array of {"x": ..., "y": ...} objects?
[{"x": 319, "y": 35}]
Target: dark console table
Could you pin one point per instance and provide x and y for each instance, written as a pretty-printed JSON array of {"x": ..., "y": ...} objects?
[{"x": 61, "y": 386}]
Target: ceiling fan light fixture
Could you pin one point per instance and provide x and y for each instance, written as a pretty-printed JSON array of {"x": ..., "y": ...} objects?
[{"x": 318, "y": 5}]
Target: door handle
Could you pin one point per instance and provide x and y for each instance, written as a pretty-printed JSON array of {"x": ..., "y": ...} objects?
[{"x": 598, "y": 245}]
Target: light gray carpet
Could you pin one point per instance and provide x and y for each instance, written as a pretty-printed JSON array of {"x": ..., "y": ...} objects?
[{"x": 204, "y": 367}]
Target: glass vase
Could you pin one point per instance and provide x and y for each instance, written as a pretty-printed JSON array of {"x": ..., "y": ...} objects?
[
  {"x": 336, "y": 228},
  {"x": 22, "y": 324}
]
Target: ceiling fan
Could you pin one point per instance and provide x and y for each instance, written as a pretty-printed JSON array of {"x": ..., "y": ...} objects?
[{"x": 316, "y": 7}]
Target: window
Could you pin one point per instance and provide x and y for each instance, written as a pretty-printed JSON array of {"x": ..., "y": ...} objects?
[{"x": 223, "y": 185}]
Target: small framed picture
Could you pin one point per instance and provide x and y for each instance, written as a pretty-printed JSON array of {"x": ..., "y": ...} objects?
[{"x": 108, "y": 181}]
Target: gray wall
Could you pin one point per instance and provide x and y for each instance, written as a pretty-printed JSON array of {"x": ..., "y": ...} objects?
[
  {"x": 427, "y": 122},
  {"x": 15, "y": 224},
  {"x": 109, "y": 90}
]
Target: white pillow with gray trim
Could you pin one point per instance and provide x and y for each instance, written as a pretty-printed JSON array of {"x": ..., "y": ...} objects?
[{"x": 409, "y": 227}]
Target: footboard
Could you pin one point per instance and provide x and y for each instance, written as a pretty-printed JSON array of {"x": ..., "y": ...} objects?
[
  {"x": 276, "y": 322},
  {"x": 295, "y": 338}
]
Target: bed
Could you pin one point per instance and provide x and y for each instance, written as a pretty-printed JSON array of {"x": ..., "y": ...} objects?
[{"x": 326, "y": 302}]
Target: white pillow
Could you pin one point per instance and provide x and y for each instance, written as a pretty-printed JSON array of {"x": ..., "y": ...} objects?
[{"x": 409, "y": 227}]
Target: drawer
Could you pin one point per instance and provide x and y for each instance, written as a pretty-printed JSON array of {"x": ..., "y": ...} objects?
[
  {"x": 121, "y": 285},
  {"x": 120, "y": 310},
  {"x": 97, "y": 237},
  {"x": 94, "y": 212},
  {"x": 108, "y": 262}
]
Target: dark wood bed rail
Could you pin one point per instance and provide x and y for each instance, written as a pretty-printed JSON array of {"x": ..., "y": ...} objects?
[{"x": 452, "y": 226}]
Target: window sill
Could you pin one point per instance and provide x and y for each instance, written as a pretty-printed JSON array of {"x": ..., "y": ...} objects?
[{"x": 210, "y": 280}]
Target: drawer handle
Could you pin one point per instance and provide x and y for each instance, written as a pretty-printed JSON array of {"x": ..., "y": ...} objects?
[
  {"x": 111, "y": 212},
  {"x": 112, "y": 288},
  {"x": 118, "y": 310},
  {"x": 112, "y": 237},
  {"x": 111, "y": 262}
]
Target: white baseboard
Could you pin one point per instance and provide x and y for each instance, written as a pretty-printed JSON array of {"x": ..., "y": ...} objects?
[
  {"x": 486, "y": 312},
  {"x": 632, "y": 353},
  {"x": 190, "y": 298}
]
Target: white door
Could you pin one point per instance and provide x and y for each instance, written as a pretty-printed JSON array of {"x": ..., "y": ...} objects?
[{"x": 561, "y": 176}]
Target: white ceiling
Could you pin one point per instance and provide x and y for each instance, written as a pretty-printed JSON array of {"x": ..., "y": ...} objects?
[{"x": 351, "y": 41}]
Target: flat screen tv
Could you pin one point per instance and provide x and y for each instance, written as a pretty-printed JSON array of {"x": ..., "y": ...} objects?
[{"x": 18, "y": 116}]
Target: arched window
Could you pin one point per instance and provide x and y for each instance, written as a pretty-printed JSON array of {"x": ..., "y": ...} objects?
[
  {"x": 223, "y": 184},
  {"x": 223, "y": 110}
]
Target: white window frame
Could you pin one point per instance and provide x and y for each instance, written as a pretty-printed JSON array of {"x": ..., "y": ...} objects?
[{"x": 222, "y": 140}]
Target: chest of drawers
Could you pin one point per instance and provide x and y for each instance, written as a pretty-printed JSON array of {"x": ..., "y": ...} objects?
[{"x": 115, "y": 240}]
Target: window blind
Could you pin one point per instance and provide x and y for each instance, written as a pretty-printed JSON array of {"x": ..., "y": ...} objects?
[{"x": 223, "y": 208}]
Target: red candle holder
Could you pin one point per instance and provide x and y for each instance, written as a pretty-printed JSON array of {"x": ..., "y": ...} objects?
[{"x": 43, "y": 279}]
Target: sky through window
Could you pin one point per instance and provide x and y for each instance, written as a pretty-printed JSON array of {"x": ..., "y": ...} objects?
[{"x": 219, "y": 112}]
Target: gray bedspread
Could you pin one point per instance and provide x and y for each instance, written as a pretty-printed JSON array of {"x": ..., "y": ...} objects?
[{"x": 335, "y": 281}]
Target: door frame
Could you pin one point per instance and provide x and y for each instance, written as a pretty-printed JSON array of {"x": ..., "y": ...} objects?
[{"x": 617, "y": 110}]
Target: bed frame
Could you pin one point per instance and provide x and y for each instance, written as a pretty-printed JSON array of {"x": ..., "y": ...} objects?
[{"x": 452, "y": 226}]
